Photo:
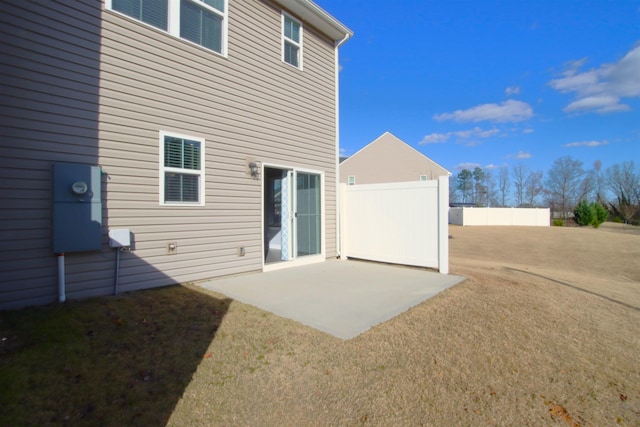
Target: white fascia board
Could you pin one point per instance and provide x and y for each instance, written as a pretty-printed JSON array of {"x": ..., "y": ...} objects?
[{"x": 311, "y": 13}]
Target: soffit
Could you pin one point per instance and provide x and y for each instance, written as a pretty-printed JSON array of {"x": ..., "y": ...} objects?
[{"x": 317, "y": 17}]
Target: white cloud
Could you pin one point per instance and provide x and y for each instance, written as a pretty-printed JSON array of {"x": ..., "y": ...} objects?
[
  {"x": 468, "y": 166},
  {"x": 507, "y": 111},
  {"x": 528, "y": 130},
  {"x": 435, "y": 138},
  {"x": 512, "y": 90},
  {"x": 491, "y": 167},
  {"x": 602, "y": 89},
  {"x": 476, "y": 132},
  {"x": 587, "y": 144},
  {"x": 601, "y": 104},
  {"x": 520, "y": 156}
]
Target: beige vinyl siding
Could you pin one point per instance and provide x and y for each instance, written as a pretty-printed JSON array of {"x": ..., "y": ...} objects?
[
  {"x": 240, "y": 106},
  {"x": 92, "y": 86},
  {"x": 245, "y": 106},
  {"x": 389, "y": 159},
  {"x": 49, "y": 72}
]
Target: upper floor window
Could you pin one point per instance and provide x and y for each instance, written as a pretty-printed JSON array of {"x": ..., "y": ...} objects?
[
  {"x": 152, "y": 12},
  {"x": 291, "y": 41},
  {"x": 181, "y": 169},
  {"x": 351, "y": 180},
  {"x": 423, "y": 177},
  {"x": 203, "y": 22}
]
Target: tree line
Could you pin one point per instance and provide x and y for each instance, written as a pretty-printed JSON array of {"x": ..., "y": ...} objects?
[{"x": 566, "y": 184}]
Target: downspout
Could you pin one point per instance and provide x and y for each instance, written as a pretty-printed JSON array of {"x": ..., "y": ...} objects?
[{"x": 347, "y": 36}]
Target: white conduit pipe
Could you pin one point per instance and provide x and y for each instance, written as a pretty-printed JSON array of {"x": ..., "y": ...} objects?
[{"x": 61, "y": 285}]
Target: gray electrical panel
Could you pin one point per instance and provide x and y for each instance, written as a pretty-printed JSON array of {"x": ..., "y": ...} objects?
[{"x": 77, "y": 207}]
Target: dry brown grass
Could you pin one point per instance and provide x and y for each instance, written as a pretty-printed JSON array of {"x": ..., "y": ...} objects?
[{"x": 543, "y": 332}]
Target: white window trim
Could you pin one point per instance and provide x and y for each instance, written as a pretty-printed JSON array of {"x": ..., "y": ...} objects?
[
  {"x": 173, "y": 25},
  {"x": 351, "y": 181},
  {"x": 295, "y": 43},
  {"x": 162, "y": 169}
]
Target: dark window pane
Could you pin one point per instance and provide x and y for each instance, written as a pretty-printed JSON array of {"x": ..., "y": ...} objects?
[
  {"x": 200, "y": 26},
  {"x": 189, "y": 21},
  {"x": 291, "y": 54},
  {"x": 181, "y": 187},
  {"x": 172, "y": 152},
  {"x": 291, "y": 29},
  {"x": 216, "y": 4},
  {"x": 153, "y": 12},
  {"x": 182, "y": 153},
  {"x": 212, "y": 31},
  {"x": 191, "y": 155}
]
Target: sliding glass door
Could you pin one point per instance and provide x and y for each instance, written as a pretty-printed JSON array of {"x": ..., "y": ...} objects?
[
  {"x": 308, "y": 214},
  {"x": 293, "y": 214}
]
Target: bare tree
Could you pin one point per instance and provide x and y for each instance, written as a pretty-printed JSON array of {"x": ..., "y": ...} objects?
[
  {"x": 624, "y": 180},
  {"x": 533, "y": 187},
  {"x": 563, "y": 184},
  {"x": 490, "y": 188},
  {"x": 587, "y": 186},
  {"x": 599, "y": 182},
  {"x": 519, "y": 173},
  {"x": 503, "y": 184}
]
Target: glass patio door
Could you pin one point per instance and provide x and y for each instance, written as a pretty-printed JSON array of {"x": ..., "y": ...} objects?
[
  {"x": 307, "y": 215},
  {"x": 292, "y": 216}
]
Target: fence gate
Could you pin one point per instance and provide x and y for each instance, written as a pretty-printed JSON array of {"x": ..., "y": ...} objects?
[{"x": 401, "y": 223}]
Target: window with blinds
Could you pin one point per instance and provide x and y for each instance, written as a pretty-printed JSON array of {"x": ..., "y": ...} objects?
[
  {"x": 152, "y": 12},
  {"x": 203, "y": 22},
  {"x": 181, "y": 170}
]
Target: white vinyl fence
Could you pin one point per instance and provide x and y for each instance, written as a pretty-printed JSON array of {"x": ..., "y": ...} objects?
[
  {"x": 401, "y": 223},
  {"x": 500, "y": 216}
]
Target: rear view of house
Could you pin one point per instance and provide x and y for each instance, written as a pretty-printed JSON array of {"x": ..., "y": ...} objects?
[{"x": 201, "y": 133}]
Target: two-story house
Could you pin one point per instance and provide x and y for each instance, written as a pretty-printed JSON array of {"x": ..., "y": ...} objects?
[{"x": 204, "y": 132}]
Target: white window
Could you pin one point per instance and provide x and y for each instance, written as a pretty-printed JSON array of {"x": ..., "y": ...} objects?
[
  {"x": 351, "y": 180},
  {"x": 203, "y": 22},
  {"x": 152, "y": 12},
  {"x": 291, "y": 41},
  {"x": 181, "y": 170},
  {"x": 423, "y": 177}
]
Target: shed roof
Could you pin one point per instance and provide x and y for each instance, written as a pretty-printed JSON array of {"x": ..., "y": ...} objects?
[{"x": 386, "y": 138}]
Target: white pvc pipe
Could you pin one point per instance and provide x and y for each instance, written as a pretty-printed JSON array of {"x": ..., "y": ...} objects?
[{"x": 61, "y": 285}]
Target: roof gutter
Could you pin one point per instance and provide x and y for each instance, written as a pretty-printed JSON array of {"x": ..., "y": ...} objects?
[{"x": 313, "y": 14}]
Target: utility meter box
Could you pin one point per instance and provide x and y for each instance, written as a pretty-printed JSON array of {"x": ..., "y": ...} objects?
[
  {"x": 77, "y": 207},
  {"x": 119, "y": 238}
]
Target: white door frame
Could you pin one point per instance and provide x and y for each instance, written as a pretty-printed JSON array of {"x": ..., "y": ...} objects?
[{"x": 296, "y": 261}]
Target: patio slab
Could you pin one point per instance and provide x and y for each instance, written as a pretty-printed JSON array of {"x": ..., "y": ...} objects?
[{"x": 341, "y": 298}]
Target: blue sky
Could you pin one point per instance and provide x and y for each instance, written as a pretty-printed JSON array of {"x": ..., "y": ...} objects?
[{"x": 493, "y": 83}]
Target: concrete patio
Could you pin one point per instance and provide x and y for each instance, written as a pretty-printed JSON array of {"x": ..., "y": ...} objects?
[{"x": 341, "y": 298}]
